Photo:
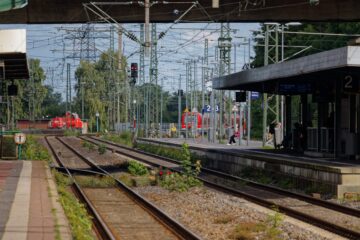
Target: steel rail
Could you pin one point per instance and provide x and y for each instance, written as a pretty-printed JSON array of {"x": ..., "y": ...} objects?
[
  {"x": 101, "y": 228},
  {"x": 343, "y": 209},
  {"x": 173, "y": 225},
  {"x": 291, "y": 212}
]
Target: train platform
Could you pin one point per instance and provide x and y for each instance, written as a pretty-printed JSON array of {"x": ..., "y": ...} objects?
[
  {"x": 29, "y": 206},
  {"x": 342, "y": 175}
]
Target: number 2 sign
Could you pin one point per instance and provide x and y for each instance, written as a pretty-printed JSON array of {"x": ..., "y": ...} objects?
[{"x": 350, "y": 84}]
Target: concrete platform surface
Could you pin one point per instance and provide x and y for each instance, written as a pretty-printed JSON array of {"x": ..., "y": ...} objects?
[
  {"x": 255, "y": 149},
  {"x": 28, "y": 203}
]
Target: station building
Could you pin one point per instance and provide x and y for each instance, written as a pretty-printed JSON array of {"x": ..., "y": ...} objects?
[{"x": 327, "y": 84}]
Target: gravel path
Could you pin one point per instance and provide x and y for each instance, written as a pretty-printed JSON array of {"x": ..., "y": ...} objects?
[{"x": 214, "y": 215}]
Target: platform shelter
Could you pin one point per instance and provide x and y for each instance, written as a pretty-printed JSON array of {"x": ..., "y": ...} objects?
[{"x": 328, "y": 87}]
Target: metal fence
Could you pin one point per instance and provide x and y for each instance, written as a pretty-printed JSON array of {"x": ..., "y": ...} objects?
[
  {"x": 325, "y": 141},
  {"x": 312, "y": 139},
  {"x": 163, "y": 130}
]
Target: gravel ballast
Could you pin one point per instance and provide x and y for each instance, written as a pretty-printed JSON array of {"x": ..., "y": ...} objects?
[{"x": 214, "y": 215}]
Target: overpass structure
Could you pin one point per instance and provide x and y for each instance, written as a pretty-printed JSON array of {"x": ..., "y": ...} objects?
[{"x": 72, "y": 11}]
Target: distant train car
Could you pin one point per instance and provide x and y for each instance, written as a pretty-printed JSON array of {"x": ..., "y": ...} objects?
[
  {"x": 191, "y": 119},
  {"x": 57, "y": 122},
  {"x": 71, "y": 120}
]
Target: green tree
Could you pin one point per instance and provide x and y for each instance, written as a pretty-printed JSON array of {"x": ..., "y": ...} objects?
[
  {"x": 101, "y": 84},
  {"x": 31, "y": 94},
  {"x": 53, "y": 105}
]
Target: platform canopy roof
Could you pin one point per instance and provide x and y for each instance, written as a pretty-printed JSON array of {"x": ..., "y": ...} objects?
[
  {"x": 72, "y": 11},
  {"x": 303, "y": 75},
  {"x": 13, "y": 59}
]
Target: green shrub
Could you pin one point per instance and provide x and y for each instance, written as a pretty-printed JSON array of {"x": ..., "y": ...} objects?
[
  {"x": 178, "y": 182},
  {"x": 101, "y": 149},
  {"x": 138, "y": 169},
  {"x": 33, "y": 150},
  {"x": 186, "y": 180}
]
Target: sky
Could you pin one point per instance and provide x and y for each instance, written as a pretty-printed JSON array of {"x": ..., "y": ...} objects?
[{"x": 54, "y": 46}]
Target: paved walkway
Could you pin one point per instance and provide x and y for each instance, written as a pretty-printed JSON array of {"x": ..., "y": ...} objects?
[{"x": 28, "y": 203}]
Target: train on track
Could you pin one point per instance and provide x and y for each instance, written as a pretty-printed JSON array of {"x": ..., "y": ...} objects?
[
  {"x": 71, "y": 120},
  {"x": 191, "y": 119}
]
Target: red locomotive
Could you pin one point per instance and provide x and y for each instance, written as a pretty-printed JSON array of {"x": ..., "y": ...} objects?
[{"x": 71, "y": 120}]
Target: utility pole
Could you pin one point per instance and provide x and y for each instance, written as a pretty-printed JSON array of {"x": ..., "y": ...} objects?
[
  {"x": 153, "y": 95},
  {"x": 224, "y": 44},
  {"x": 120, "y": 68},
  {"x": 249, "y": 102},
  {"x": 179, "y": 107},
  {"x": 68, "y": 88},
  {"x": 206, "y": 79},
  {"x": 32, "y": 94},
  {"x": 82, "y": 99},
  {"x": 147, "y": 27},
  {"x": 271, "y": 53},
  {"x": 142, "y": 80},
  {"x": 187, "y": 96},
  {"x": 161, "y": 106}
]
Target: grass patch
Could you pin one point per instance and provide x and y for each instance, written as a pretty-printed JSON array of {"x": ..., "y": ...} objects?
[
  {"x": 137, "y": 181},
  {"x": 124, "y": 138},
  {"x": 267, "y": 230},
  {"x": 80, "y": 221},
  {"x": 71, "y": 133},
  {"x": 96, "y": 182},
  {"x": 88, "y": 145},
  {"x": 33, "y": 150},
  {"x": 247, "y": 231}
]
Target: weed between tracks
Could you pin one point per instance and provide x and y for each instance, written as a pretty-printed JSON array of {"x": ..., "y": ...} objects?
[
  {"x": 95, "y": 182},
  {"x": 140, "y": 176},
  {"x": 267, "y": 230},
  {"x": 80, "y": 221}
]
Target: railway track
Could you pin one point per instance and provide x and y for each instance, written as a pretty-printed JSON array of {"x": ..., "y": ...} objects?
[
  {"x": 118, "y": 213},
  {"x": 335, "y": 218}
]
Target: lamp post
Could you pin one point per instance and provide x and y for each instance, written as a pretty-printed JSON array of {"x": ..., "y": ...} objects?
[
  {"x": 134, "y": 115},
  {"x": 97, "y": 121}
]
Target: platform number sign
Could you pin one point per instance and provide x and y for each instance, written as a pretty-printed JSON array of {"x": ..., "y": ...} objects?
[
  {"x": 208, "y": 109},
  {"x": 350, "y": 84},
  {"x": 20, "y": 138}
]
